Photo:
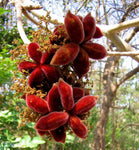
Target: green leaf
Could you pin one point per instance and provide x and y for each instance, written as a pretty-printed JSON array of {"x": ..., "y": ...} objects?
[
  {"x": 5, "y": 113},
  {"x": 26, "y": 142},
  {"x": 37, "y": 140},
  {"x": 30, "y": 124},
  {"x": 2, "y": 11},
  {"x": 70, "y": 138}
]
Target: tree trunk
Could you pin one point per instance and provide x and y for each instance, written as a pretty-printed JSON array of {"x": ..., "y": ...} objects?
[
  {"x": 114, "y": 127},
  {"x": 3, "y": 3},
  {"x": 109, "y": 94}
]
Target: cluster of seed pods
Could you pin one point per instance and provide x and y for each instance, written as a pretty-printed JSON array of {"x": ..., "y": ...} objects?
[{"x": 65, "y": 104}]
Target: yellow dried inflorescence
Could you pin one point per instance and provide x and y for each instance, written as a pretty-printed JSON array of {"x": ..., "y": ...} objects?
[
  {"x": 28, "y": 115},
  {"x": 20, "y": 81}
]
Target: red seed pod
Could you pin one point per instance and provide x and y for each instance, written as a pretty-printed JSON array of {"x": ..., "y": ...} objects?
[
  {"x": 65, "y": 54},
  {"x": 87, "y": 91},
  {"x": 94, "y": 50},
  {"x": 53, "y": 99},
  {"x": 52, "y": 121},
  {"x": 27, "y": 66},
  {"x": 81, "y": 63},
  {"x": 46, "y": 98},
  {"x": 80, "y": 17},
  {"x": 41, "y": 133},
  {"x": 46, "y": 58},
  {"x": 50, "y": 72},
  {"x": 59, "y": 134},
  {"x": 74, "y": 28},
  {"x": 59, "y": 35},
  {"x": 78, "y": 127},
  {"x": 98, "y": 33},
  {"x": 77, "y": 93},
  {"x": 23, "y": 96},
  {"x": 84, "y": 105},
  {"x": 89, "y": 26},
  {"x": 37, "y": 104},
  {"x": 34, "y": 53},
  {"x": 66, "y": 94},
  {"x": 78, "y": 84},
  {"x": 60, "y": 30},
  {"x": 36, "y": 77}
]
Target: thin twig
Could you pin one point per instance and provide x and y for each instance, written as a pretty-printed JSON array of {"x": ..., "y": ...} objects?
[
  {"x": 32, "y": 19},
  {"x": 118, "y": 107},
  {"x": 43, "y": 13},
  {"x": 127, "y": 76},
  {"x": 105, "y": 13},
  {"x": 129, "y": 124},
  {"x": 133, "y": 33},
  {"x": 131, "y": 7},
  {"x": 80, "y": 7}
]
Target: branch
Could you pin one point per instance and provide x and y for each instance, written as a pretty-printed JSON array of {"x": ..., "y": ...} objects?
[
  {"x": 105, "y": 12},
  {"x": 129, "y": 124},
  {"x": 29, "y": 5},
  {"x": 118, "y": 107},
  {"x": 122, "y": 53},
  {"x": 122, "y": 45},
  {"x": 20, "y": 28},
  {"x": 110, "y": 32},
  {"x": 32, "y": 19},
  {"x": 65, "y": 4},
  {"x": 132, "y": 7},
  {"x": 134, "y": 31},
  {"x": 42, "y": 13},
  {"x": 107, "y": 29},
  {"x": 127, "y": 76},
  {"x": 80, "y": 6}
]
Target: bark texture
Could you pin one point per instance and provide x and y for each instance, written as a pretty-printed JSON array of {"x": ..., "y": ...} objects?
[{"x": 109, "y": 94}]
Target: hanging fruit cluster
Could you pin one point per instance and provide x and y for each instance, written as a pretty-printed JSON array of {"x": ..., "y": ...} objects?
[{"x": 57, "y": 72}]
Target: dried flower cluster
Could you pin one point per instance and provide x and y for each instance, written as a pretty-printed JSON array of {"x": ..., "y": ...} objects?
[{"x": 55, "y": 71}]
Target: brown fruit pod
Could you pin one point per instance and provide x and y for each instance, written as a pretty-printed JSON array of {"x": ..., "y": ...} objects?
[
  {"x": 94, "y": 50},
  {"x": 27, "y": 66},
  {"x": 65, "y": 54},
  {"x": 80, "y": 17},
  {"x": 66, "y": 94},
  {"x": 47, "y": 56},
  {"x": 52, "y": 121},
  {"x": 42, "y": 133},
  {"x": 74, "y": 27},
  {"x": 85, "y": 104},
  {"x": 34, "y": 53},
  {"x": 50, "y": 72},
  {"x": 37, "y": 104},
  {"x": 89, "y": 26},
  {"x": 59, "y": 134},
  {"x": 81, "y": 63},
  {"x": 53, "y": 99},
  {"x": 77, "y": 93},
  {"x": 60, "y": 30},
  {"x": 98, "y": 33},
  {"x": 36, "y": 77},
  {"x": 78, "y": 127}
]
